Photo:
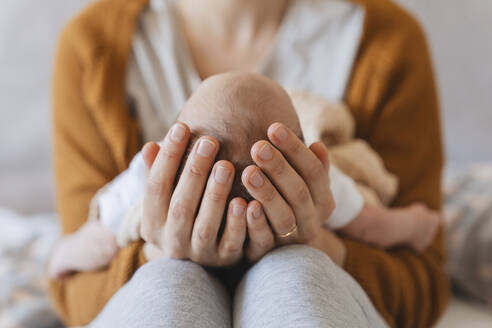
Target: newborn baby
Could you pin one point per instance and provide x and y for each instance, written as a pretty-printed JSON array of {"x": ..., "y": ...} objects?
[{"x": 236, "y": 109}]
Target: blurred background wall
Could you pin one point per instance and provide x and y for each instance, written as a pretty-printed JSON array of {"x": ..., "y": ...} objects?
[
  {"x": 28, "y": 34},
  {"x": 460, "y": 34}
]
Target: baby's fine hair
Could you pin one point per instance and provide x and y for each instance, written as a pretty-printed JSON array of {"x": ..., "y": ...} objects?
[{"x": 237, "y": 105}]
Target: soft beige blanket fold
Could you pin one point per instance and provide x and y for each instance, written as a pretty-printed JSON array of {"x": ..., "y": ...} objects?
[{"x": 334, "y": 125}]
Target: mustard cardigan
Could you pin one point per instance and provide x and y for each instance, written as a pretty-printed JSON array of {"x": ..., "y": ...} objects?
[{"x": 391, "y": 93}]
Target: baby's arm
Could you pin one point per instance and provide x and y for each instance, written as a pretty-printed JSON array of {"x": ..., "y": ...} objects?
[
  {"x": 113, "y": 221},
  {"x": 414, "y": 226},
  {"x": 92, "y": 247}
]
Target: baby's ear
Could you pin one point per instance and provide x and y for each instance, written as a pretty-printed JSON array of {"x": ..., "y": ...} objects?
[{"x": 149, "y": 153}]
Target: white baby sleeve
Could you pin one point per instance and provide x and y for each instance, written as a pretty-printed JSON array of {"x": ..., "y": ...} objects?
[
  {"x": 122, "y": 195},
  {"x": 348, "y": 200}
]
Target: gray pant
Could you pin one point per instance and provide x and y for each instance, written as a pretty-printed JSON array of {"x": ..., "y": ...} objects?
[{"x": 293, "y": 286}]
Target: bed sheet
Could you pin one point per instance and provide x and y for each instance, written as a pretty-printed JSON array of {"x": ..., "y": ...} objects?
[{"x": 25, "y": 243}]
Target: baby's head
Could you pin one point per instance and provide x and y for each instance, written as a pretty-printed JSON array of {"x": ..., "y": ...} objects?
[{"x": 237, "y": 109}]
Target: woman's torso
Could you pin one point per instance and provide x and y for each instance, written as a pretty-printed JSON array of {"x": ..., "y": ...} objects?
[{"x": 313, "y": 51}]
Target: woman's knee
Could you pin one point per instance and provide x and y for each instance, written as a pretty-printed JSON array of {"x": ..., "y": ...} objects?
[
  {"x": 168, "y": 273},
  {"x": 300, "y": 277},
  {"x": 302, "y": 261},
  {"x": 178, "y": 284},
  {"x": 297, "y": 270},
  {"x": 168, "y": 293}
]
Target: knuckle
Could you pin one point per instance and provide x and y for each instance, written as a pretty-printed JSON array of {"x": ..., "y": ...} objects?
[
  {"x": 168, "y": 152},
  {"x": 287, "y": 222},
  {"x": 316, "y": 171},
  {"x": 302, "y": 193},
  {"x": 236, "y": 229},
  {"x": 217, "y": 196},
  {"x": 195, "y": 170},
  {"x": 156, "y": 185},
  {"x": 179, "y": 210},
  {"x": 176, "y": 250},
  {"x": 231, "y": 247},
  {"x": 269, "y": 193},
  {"x": 256, "y": 228},
  {"x": 278, "y": 167},
  {"x": 295, "y": 147},
  {"x": 205, "y": 234}
]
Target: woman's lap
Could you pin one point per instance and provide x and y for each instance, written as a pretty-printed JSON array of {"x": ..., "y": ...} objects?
[
  {"x": 298, "y": 286},
  {"x": 168, "y": 293},
  {"x": 293, "y": 286}
]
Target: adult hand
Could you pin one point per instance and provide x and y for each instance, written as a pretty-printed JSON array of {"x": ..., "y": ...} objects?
[
  {"x": 291, "y": 182},
  {"x": 262, "y": 240},
  {"x": 170, "y": 222}
]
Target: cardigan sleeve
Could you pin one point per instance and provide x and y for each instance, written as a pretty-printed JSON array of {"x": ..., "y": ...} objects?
[
  {"x": 397, "y": 110},
  {"x": 83, "y": 164}
]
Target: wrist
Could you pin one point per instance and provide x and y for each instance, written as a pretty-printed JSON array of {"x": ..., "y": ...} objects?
[
  {"x": 329, "y": 243},
  {"x": 368, "y": 217}
]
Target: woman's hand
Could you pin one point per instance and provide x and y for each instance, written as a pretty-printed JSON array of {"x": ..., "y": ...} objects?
[
  {"x": 330, "y": 244},
  {"x": 170, "y": 222},
  {"x": 261, "y": 238},
  {"x": 292, "y": 184}
]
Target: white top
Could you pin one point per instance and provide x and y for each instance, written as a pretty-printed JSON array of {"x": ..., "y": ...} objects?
[{"x": 313, "y": 51}]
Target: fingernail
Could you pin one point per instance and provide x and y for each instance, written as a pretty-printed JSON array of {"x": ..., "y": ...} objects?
[
  {"x": 222, "y": 174},
  {"x": 178, "y": 133},
  {"x": 237, "y": 210},
  {"x": 257, "y": 213},
  {"x": 206, "y": 148},
  {"x": 266, "y": 153},
  {"x": 280, "y": 133},
  {"x": 256, "y": 179}
]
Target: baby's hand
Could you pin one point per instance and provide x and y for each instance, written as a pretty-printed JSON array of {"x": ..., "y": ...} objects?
[
  {"x": 414, "y": 226},
  {"x": 91, "y": 248},
  {"x": 422, "y": 222}
]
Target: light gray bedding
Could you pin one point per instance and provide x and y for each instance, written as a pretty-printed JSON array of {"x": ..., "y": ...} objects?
[{"x": 25, "y": 243}]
